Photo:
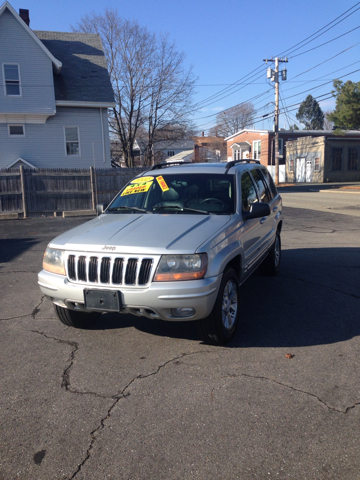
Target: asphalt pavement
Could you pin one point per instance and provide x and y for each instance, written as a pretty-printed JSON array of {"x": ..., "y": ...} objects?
[{"x": 133, "y": 398}]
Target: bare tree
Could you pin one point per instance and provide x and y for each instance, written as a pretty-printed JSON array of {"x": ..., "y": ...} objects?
[
  {"x": 233, "y": 120},
  {"x": 152, "y": 87}
]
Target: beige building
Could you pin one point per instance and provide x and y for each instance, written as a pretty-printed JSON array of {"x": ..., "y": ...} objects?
[{"x": 323, "y": 159}]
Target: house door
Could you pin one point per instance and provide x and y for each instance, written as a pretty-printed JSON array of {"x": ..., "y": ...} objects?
[
  {"x": 309, "y": 170},
  {"x": 300, "y": 170}
]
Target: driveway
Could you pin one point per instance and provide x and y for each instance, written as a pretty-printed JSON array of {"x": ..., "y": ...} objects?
[{"x": 138, "y": 399}]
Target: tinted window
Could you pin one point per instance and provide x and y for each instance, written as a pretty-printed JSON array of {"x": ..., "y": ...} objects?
[
  {"x": 248, "y": 192},
  {"x": 270, "y": 181},
  {"x": 263, "y": 191}
]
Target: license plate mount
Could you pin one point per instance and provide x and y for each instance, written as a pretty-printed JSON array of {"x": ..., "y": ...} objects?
[{"x": 102, "y": 300}]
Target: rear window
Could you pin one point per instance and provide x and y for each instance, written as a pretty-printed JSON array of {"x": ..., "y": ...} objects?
[
  {"x": 261, "y": 185},
  {"x": 270, "y": 181}
]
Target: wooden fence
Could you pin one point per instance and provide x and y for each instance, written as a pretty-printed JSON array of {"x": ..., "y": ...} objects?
[{"x": 51, "y": 191}]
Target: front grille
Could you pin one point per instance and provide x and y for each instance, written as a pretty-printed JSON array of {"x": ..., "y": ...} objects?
[{"x": 112, "y": 270}]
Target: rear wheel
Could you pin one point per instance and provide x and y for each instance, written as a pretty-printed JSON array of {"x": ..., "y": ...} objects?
[
  {"x": 220, "y": 326},
  {"x": 271, "y": 264},
  {"x": 73, "y": 318}
]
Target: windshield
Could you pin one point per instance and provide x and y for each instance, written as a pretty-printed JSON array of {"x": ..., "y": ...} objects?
[{"x": 177, "y": 193}]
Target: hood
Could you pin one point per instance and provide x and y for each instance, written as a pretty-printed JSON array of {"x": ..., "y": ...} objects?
[{"x": 142, "y": 233}]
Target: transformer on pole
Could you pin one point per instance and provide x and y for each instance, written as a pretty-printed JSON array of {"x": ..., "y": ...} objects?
[{"x": 274, "y": 77}]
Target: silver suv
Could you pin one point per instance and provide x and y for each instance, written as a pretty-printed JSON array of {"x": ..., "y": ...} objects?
[{"x": 174, "y": 244}]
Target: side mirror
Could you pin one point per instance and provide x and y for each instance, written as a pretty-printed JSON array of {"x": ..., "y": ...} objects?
[
  {"x": 257, "y": 210},
  {"x": 100, "y": 207}
]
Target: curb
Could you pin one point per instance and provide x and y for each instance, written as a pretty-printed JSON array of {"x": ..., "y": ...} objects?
[
  {"x": 9, "y": 216},
  {"x": 335, "y": 191},
  {"x": 79, "y": 213}
]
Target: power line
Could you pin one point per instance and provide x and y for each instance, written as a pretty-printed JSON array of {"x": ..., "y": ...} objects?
[
  {"x": 336, "y": 38},
  {"x": 289, "y": 50}
]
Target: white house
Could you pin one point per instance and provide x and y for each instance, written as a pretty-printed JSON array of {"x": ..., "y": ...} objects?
[{"x": 55, "y": 93}]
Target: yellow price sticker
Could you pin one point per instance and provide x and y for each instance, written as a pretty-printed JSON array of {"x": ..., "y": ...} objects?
[
  {"x": 162, "y": 183},
  {"x": 138, "y": 185},
  {"x": 142, "y": 180}
]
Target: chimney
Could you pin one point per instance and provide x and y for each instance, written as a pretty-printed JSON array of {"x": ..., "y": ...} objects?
[
  {"x": 202, "y": 134},
  {"x": 24, "y": 14}
]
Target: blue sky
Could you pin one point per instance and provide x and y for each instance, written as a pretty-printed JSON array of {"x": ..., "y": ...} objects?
[{"x": 226, "y": 40}]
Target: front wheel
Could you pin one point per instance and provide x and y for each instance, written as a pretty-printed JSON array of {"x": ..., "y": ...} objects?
[
  {"x": 220, "y": 326},
  {"x": 74, "y": 318}
]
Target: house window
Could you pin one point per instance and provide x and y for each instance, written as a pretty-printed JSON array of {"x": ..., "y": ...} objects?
[
  {"x": 353, "y": 158},
  {"x": 11, "y": 74},
  {"x": 72, "y": 143},
  {"x": 257, "y": 149},
  {"x": 281, "y": 146},
  {"x": 16, "y": 130},
  {"x": 236, "y": 154},
  {"x": 317, "y": 165},
  {"x": 337, "y": 155},
  {"x": 291, "y": 165},
  {"x": 170, "y": 153}
]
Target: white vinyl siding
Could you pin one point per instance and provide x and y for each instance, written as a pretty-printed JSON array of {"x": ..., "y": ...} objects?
[
  {"x": 11, "y": 75},
  {"x": 36, "y": 83},
  {"x": 44, "y": 144},
  {"x": 72, "y": 141}
]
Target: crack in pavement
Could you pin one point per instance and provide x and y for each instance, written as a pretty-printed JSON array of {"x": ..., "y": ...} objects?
[
  {"x": 32, "y": 314},
  {"x": 17, "y": 271},
  {"x": 65, "y": 383},
  {"x": 37, "y": 308},
  {"x": 319, "y": 285},
  {"x": 259, "y": 377},
  {"x": 122, "y": 394},
  {"x": 17, "y": 316}
]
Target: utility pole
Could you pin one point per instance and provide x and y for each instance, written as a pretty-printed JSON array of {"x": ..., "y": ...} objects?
[{"x": 274, "y": 77}]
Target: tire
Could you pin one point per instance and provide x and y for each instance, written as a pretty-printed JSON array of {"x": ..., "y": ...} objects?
[
  {"x": 271, "y": 264},
  {"x": 220, "y": 326},
  {"x": 73, "y": 318}
]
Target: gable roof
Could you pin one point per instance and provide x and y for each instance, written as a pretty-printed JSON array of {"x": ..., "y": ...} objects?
[
  {"x": 20, "y": 161},
  {"x": 181, "y": 157},
  {"x": 56, "y": 63},
  {"x": 84, "y": 76}
]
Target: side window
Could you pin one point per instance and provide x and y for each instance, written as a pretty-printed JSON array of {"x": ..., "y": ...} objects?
[
  {"x": 263, "y": 191},
  {"x": 270, "y": 180},
  {"x": 72, "y": 144},
  {"x": 12, "y": 80},
  {"x": 248, "y": 192}
]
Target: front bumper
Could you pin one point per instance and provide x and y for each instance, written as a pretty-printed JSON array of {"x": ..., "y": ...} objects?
[{"x": 154, "y": 301}]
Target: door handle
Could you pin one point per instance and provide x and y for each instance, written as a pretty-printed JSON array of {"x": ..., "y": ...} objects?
[
  {"x": 263, "y": 220},
  {"x": 275, "y": 208}
]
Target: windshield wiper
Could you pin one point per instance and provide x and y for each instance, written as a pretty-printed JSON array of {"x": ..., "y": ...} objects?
[
  {"x": 182, "y": 209},
  {"x": 123, "y": 207}
]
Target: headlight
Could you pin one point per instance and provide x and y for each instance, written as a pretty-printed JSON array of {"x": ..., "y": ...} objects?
[
  {"x": 181, "y": 267},
  {"x": 54, "y": 261}
]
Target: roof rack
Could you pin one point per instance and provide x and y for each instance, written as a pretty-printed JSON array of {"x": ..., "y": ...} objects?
[
  {"x": 235, "y": 162},
  {"x": 169, "y": 164}
]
